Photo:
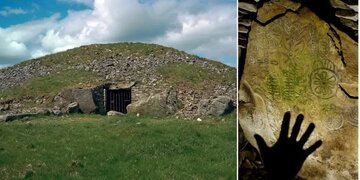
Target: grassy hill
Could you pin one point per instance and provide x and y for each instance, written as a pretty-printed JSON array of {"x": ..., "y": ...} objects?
[{"x": 48, "y": 75}]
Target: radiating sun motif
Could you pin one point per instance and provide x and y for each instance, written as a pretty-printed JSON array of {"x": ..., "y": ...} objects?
[{"x": 324, "y": 83}]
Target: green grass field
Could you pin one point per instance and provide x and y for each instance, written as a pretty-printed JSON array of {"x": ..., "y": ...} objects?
[{"x": 122, "y": 147}]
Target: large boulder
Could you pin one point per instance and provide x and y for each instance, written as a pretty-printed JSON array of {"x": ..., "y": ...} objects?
[
  {"x": 217, "y": 107},
  {"x": 85, "y": 99},
  {"x": 68, "y": 97},
  {"x": 300, "y": 63},
  {"x": 161, "y": 104},
  {"x": 220, "y": 106}
]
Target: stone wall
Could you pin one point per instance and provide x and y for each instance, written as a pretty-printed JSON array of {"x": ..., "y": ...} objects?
[{"x": 99, "y": 97}]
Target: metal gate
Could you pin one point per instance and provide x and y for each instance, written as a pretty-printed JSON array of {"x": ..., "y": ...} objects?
[{"x": 117, "y": 100}]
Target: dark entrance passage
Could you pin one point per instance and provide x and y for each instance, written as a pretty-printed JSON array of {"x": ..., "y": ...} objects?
[{"x": 117, "y": 100}]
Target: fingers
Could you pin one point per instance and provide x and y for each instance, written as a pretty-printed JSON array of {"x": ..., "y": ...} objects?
[
  {"x": 296, "y": 128},
  {"x": 261, "y": 143},
  {"x": 285, "y": 126},
  {"x": 307, "y": 134},
  {"x": 312, "y": 148}
]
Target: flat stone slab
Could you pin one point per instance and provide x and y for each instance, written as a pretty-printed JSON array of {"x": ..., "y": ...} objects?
[
  {"x": 294, "y": 6},
  {"x": 12, "y": 117},
  {"x": 293, "y": 64},
  {"x": 269, "y": 11},
  {"x": 247, "y": 7}
]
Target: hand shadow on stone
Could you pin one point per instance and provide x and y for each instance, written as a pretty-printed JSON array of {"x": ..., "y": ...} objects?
[{"x": 284, "y": 160}]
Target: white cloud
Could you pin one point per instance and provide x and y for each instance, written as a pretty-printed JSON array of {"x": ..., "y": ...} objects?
[
  {"x": 208, "y": 29},
  {"x": 7, "y": 11},
  {"x": 212, "y": 33},
  {"x": 17, "y": 42}
]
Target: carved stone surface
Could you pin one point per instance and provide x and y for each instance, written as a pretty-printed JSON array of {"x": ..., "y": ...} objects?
[
  {"x": 297, "y": 63},
  {"x": 269, "y": 11},
  {"x": 324, "y": 83}
]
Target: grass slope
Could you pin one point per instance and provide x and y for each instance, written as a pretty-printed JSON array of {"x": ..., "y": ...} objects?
[
  {"x": 127, "y": 147},
  {"x": 50, "y": 85},
  {"x": 87, "y": 53}
]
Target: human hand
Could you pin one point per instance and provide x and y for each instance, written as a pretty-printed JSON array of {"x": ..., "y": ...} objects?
[{"x": 285, "y": 159}]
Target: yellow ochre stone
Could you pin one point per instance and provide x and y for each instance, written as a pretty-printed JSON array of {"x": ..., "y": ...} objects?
[{"x": 293, "y": 64}]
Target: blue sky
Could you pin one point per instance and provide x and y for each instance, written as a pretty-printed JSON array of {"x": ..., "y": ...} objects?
[{"x": 30, "y": 29}]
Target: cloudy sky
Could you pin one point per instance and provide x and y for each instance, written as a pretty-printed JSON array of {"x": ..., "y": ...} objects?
[{"x": 33, "y": 28}]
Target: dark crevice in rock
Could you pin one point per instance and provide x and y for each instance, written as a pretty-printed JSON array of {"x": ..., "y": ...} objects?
[
  {"x": 248, "y": 1},
  {"x": 350, "y": 2},
  {"x": 339, "y": 49},
  {"x": 241, "y": 63},
  {"x": 347, "y": 94},
  {"x": 275, "y": 17},
  {"x": 324, "y": 10}
]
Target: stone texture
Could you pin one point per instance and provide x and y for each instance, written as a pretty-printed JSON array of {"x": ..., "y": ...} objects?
[
  {"x": 114, "y": 113},
  {"x": 4, "y": 107},
  {"x": 73, "y": 108},
  {"x": 161, "y": 104},
  {"x": 269, "y": 11},
  {"x": 247, "y": 6},
  {"x": 216, "y": 107},
  {"x": 82, "y": 97},
  {"x": 242, "y": 139},
  {"x": 291, "y": 5},
  {"x": 243, "y": 29},
  {"x": 221, "y": 106},
  {"x": 347, "y": 12},
  {"x": 349, "y": 23},
  {"x": 203, "y": 106},
  {"x": 350, "y": 89},
  {"x": 342, "y": 5},
  {"x": 122, "y": 85},
  {"x": 297, "y": 63},
  {"x": 245, "y": 22},
  {"x": 85, "y": 99}
]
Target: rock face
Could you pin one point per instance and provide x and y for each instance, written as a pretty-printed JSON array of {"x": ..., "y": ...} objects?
[
  {"x": 85, "y": 99},
  {"x": 219, "y": 106},
  {"x": 161, "y": 104},
  {"x": 299, "y": 63},
  {"x": 73, "y": 108},
  {"x": 72, "y": 100}
]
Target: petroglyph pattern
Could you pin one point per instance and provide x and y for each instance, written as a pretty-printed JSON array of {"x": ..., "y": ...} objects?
[
  {"x": 273, "y": 87},
  {"x": 323, "y": 83},
  {"x": 334, "y": 123},
  {"x": 351, "y": 114},
  {"x": 257, "y": 120}
]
